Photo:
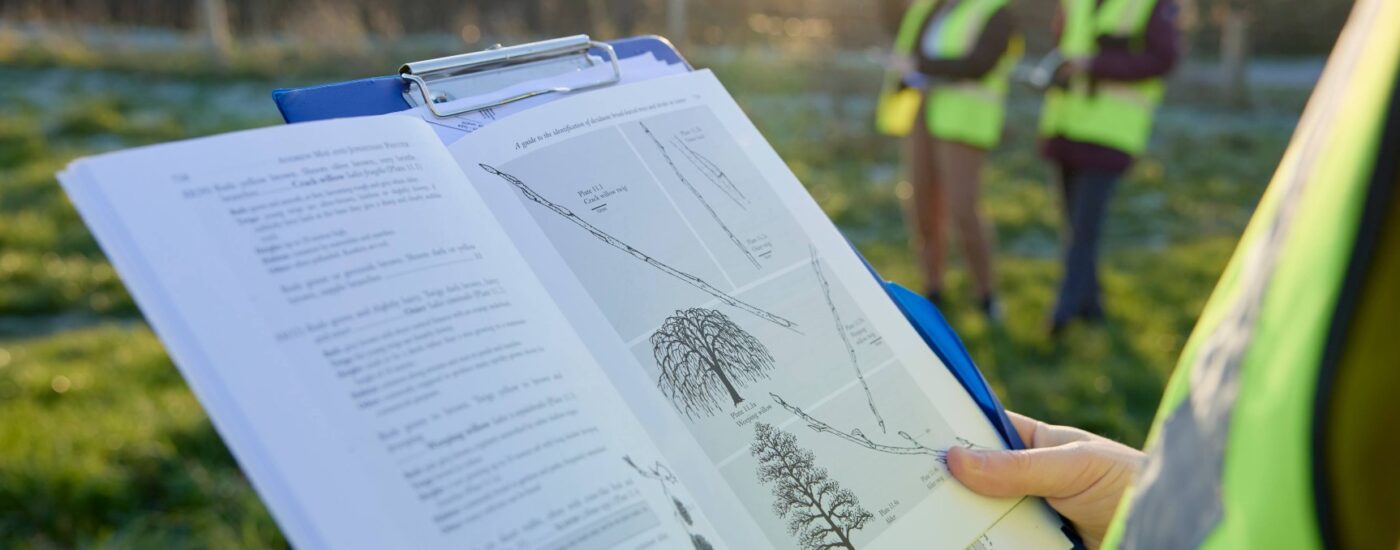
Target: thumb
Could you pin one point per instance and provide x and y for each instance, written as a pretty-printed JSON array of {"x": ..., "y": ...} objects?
[{"x": 1047, "y": 472}]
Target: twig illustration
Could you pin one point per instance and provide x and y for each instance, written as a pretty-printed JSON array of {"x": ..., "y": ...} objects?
[
  {"x": 962, "y": 442},
  {"x": 855, "y": 436},
  {"x": 846, "y": 339},
  {"x": 662, "y": 475},
  {"x": 704, "y": 357},
  {"x": 819, "y": 512},
  {"x": 618, "y": 244},
  {"x": 711, "y": 171},
  {"x": 699, "y": 197}
]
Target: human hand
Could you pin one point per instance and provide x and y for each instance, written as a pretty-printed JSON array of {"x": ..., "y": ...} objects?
[{"x": 1080, "y": 474}]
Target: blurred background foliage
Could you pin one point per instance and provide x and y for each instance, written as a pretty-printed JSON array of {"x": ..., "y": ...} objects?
[{"x": 102, "y": 444}]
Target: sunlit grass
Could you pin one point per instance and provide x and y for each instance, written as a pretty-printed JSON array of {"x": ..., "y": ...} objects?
[{"x": 102, "y": 442}]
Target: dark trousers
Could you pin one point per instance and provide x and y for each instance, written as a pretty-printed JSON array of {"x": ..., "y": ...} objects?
[{"x": 1085, "y": 196}]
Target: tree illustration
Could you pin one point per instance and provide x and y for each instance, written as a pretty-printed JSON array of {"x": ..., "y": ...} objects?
[
  {"x": 606, "y": 238},
  {"x": 859, "y": 438},
  {"x": 845, "y": 338},
  {"x": 820, "y": 513},
  {"x": 705, "y": 357},
  {"x": 659, "y": 473},
  {"x": 700, "y": 197}
]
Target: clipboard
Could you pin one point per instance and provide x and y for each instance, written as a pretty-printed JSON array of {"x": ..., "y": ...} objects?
[{"x": 441, "y": 80}]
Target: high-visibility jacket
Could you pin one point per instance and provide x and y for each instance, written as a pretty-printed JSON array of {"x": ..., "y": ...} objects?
[
  {"x": 969, "y": 111},
  {"x": 1278, "y": 428},
  {"x": 1111, "y": 113}
]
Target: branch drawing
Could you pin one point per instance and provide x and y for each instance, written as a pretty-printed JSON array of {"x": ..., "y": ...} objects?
[
  {"x": 857, "y": 437},
  {"x": 963, "y": 442},
  {"x": 615, "y": 243},
  {"x": 662, "y": 475},
  {"x": 711, "y": 171},
  {"x": 704, "y": 357},
  {"x": 846, "y": 339},
  {"x": 699, "y": 197},
  {"x": 819, "y": 512}
]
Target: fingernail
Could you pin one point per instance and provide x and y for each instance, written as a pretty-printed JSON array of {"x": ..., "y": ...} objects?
[{"x": 972, "y": 459}]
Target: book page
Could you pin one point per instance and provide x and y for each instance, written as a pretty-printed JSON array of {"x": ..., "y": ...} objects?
[
  {"x": 782, "y": 384},
  {"x": 372, "y": 347}
]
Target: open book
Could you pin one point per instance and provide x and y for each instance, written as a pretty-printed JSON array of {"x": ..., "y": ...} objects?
[{"x": 613, "y": 321}]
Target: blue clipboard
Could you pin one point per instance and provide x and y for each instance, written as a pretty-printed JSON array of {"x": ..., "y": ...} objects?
[{"x": 386, "y": 94}]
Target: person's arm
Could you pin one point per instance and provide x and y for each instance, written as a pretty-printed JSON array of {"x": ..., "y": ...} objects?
[
  {"x": 991, "y": 45},
  {"x": 1157, "y": 57},
  {"x": 1080, "y": 474}
]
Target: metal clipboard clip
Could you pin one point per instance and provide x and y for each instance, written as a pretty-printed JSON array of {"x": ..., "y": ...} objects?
[{"x": 440, "y": 80}]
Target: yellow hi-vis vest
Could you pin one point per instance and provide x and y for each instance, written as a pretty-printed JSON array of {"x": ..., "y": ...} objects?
[
  {"x": 1111, "y": 113},
  {"x": 1278, "y": 428},
  {"x": 968, "y": 111}
]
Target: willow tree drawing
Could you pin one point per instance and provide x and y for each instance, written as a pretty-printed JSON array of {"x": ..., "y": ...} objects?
[
  {"x": 705, "y": 359},
  {"x": 819, "y": 512}
]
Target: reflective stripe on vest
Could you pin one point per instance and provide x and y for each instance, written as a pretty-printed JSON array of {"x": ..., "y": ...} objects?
[
  {"x": 1125, "y": 17},
  {"x": 1109, "y": 113},
  {"x": 1231, "y": 454},
  {"x": 967, "y": 111},
  {"x": 955, "y": 33}
]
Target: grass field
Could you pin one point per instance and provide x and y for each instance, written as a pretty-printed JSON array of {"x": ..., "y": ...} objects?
[{"x": 101, "y": 443}]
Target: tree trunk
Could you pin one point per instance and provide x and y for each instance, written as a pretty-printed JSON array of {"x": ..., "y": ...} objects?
[
  {"x": 816, "y": 503},
  {"x": 1234, "y": 55},
  {"x": 214, "y": 15},
  {"x": 600, "y": 27},
  {"x": 890, "y": 13},
  {"x": 624, "y": 14},
  {"x": 676, "y": 21},
  {"x": 718, "y": 371},
  {"x": 1188, "y": 21}
]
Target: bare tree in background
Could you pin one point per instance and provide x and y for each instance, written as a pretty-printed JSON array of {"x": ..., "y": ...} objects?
[
  {"x": 214, "y": 15},
  {"x": 820, "y": 513},
  {"x": 705, "y": 357},
  {"x": 600, "y": 25},
  {"x": 676, "y": 20},
  {"x": 1234, "y": 17},
  {"x": 890, "y": 13}
]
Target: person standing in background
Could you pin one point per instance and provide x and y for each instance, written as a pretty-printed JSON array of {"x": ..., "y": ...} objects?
[
  {"x": 1098, "y": 116},
  {"x": 946, "y": 94}
]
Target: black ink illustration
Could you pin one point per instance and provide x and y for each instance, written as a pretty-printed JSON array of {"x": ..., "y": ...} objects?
[
  {"x": 612, "y": 241},
  {"x": 819, "y": 512},
  {"x": 913, "y": 447},
  {"x": 857, "y": 437},
  {"x": 962, "y": 442},
  {"x": 704, "y": 357},
  {"x": 711, "y": 171},
  {"x": 846, "y": 339},
  {"x": 662, "y": 475},
  {"x": 699, "y": 196}
]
